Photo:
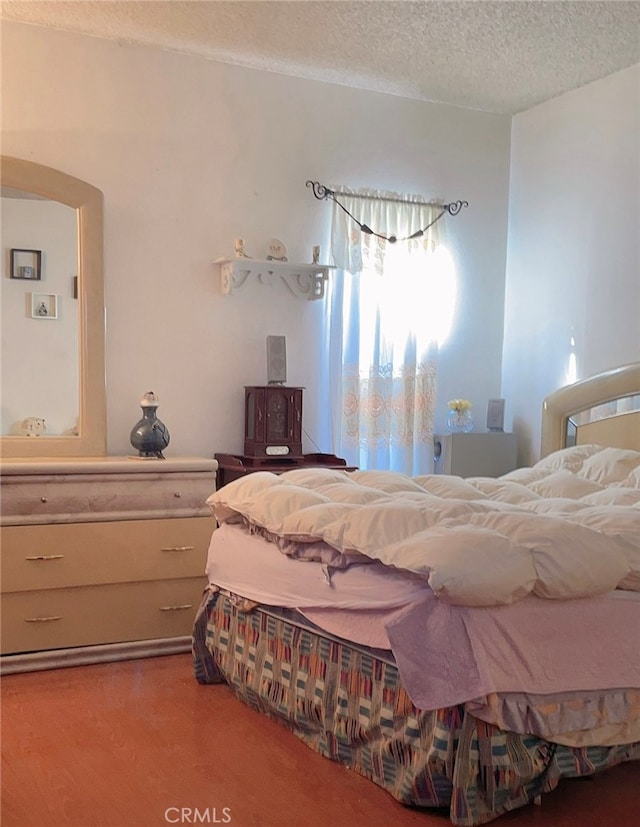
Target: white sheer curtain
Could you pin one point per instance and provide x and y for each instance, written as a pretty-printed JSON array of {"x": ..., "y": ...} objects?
[{"x": 386, "y": 308}]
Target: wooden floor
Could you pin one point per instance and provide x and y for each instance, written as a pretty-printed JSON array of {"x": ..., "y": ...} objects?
[{"x": 142, "y": 744}]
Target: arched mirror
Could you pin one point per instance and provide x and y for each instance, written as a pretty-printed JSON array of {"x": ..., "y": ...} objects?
[{"x": 53, "y": 400}]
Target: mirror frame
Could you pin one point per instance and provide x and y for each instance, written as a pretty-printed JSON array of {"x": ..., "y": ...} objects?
[{"x": 92, "y": 416}]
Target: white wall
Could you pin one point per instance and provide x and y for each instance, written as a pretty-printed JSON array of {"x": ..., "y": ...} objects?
[
  {"x": 573, "y": 265},
  {"x": 191, "y": 154}
]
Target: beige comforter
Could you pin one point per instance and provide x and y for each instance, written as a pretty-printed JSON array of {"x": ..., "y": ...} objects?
[{"x": 567, "y": 527}]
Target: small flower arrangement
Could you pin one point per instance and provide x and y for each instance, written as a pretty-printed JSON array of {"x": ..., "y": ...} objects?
[
  {"x": 459, "y": 405},
  {"x": 459, "y": 418}
]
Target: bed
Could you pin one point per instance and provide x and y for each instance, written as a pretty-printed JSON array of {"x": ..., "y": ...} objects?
[{"x": 463, "y": 643}]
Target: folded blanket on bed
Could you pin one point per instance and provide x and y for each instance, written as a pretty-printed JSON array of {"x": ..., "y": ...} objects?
[{"x": 568, "y": 527}]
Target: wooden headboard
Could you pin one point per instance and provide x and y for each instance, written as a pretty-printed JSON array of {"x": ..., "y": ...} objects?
[{"x": 604, "y": 410}]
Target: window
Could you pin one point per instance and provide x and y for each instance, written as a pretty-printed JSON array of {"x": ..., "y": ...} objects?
[{"x": 388, "y": 308}]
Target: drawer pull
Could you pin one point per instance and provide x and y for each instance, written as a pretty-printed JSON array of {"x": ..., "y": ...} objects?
[
  {"x": 177, "y": 548},
  {"x": 176, "y": 608},
  {"x": 42, "y": 619},
  {"x": 46, "y": 557},
  {"x": 43, "y": 499},
  {"x": 177, "y": 494}
]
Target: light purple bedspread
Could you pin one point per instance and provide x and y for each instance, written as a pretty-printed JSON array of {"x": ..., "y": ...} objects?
[{"x": 450, "y": 654}]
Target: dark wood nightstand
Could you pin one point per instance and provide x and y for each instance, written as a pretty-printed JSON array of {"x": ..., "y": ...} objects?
[{"x": 232, "y": 466}]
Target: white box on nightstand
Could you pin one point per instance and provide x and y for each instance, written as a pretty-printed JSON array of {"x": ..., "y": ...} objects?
[{"x": 489, "y": 454}]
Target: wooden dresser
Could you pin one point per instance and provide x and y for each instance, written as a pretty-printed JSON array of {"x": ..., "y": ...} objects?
[{"x": 102, "y": 559}]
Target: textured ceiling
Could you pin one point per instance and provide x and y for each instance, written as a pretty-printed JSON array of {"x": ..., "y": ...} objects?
[{"x": 495, "y": 55}]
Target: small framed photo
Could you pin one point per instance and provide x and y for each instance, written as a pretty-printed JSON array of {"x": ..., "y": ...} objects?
[
  {"x": 26, "y": 264},
  {"x": 495, "y": 415},
  {"x": 44, "y": 306}
]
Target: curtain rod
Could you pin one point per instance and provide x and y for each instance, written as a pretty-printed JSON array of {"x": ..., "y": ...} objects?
[
  {"x": 324, "y": 193},
  {"x": 366, "y": 197}
]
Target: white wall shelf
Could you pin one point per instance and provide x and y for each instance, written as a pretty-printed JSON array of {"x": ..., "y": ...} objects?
[{"x": 307, "y": 281}]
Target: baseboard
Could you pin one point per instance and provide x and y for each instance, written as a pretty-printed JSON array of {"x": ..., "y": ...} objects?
[{"x": 83, "y": 655}]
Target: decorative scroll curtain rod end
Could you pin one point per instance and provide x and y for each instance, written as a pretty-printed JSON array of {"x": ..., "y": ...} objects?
[
  {"x": 319, "y": 190},
  {"x": 455, "y": 207}
]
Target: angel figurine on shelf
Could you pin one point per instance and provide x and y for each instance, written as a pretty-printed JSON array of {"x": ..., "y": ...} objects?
[{"x": 239, "y": 248}]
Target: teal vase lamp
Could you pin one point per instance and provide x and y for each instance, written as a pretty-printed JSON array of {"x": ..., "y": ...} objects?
[{"x": 150, "y": 436}]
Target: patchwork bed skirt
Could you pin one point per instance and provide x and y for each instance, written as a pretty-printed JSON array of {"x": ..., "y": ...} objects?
[{"x": 347, "y": 703}]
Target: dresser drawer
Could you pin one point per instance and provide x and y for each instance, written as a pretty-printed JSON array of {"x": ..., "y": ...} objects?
[
  {"x": 55, "y": 619},
  {"x": 37, "y": 557},
  {"x": 60, "y": 498}
]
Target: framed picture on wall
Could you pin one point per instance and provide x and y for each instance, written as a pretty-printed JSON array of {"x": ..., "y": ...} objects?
[
  {"x": 44, "y": 306},
  {"x": 26, "y": 264}
]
